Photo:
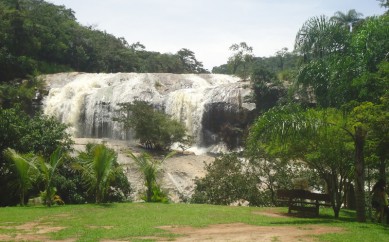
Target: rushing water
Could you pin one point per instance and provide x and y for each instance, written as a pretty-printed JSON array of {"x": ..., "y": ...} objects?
[{"x": 204, "y": 102}]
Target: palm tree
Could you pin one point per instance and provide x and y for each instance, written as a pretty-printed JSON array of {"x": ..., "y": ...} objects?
[
  {"x": 25, "y": 171},
  {"x": 97, "y": 164},
  {"x": 319, "y": 37},
  {"x": 48, "y": 170},
  {"x": 149, "y": 168},
  {"x": 347, "y": 19},
  {"x": 287, "y": 127}
]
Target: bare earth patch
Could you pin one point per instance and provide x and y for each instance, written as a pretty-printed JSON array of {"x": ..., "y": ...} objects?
[
  {"x": 245, "y": 232},
  {"x": 31, "y": 231},
  {"x": 272, "y": 213}
]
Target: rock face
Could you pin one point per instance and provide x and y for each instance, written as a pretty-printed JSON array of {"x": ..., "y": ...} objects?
[{"x": 211, "y": 106}]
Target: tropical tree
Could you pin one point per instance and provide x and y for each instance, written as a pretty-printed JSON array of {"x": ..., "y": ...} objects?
[
  {"x": 150, "y": 167},
  {"x": 384, "y": 3},
  {"x": 348, "y": 19},
  {"x": 319, "y": 37},
  {"x": 229, "y": 179},
  {"x": 48, "y": 171},
  {"x": 281, "y": 55},
  {"x": 267, "y": 92},
  {"x": 38, "y": 135},
  {"x": 296, "y": 134},
  {"x": 97, "y": 164},
  {"x": 312, "y": 135},
  {"x": 153, "y": 128},
  {"x": 242, "y": 56},
  {"x": 346, "y": 68},
  {"x": 189, "y": 62},
  {"x": 25, "y": 170}
]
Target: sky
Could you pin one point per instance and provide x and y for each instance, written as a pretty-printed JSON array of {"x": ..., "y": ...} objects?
[{"x": 209, "y": 27}]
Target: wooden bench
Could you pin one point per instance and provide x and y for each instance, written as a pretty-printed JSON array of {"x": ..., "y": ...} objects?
[{"x": 303, "y": 200}]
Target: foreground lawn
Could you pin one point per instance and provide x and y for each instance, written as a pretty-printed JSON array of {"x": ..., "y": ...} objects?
[{"x": 140, "y": 222}]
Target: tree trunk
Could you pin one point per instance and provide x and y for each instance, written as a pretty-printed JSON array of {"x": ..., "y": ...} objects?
[
  {"x": 382, "y": 169},
  {"x": 359, "y": 141},
  {"x": 350, "y": 196},
  {"x": 335, "y": 193}
]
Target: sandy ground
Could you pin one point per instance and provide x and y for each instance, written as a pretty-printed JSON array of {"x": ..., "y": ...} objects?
[{"x": 36, "y": 231}]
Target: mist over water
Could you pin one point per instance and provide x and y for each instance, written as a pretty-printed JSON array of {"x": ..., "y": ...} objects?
[{"x": 87, "y": 102}]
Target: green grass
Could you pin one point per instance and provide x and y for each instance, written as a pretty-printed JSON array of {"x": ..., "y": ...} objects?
[{"x": 133, "y": 220}]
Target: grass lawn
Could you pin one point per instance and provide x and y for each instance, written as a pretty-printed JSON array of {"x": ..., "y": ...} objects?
[{"x": 140, "y": 222}]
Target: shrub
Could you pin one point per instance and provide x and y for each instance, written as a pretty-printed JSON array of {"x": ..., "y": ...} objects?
[
  {"x": 153, "y": 128},
  {"x": 228, "y": 179}
]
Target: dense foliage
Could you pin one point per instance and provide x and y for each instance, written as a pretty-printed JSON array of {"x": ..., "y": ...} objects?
[
  {"x": 228, "y": 180},
  {"x": 39, "y": 135},
  {"x": 102, "y": 174},
  {"x": 40, "y": 37},
  {"x": 338, "y": 83},
  {"x": 34, "y": 159},
  {"x": 37, "y": 37},
  {"x": 153, "y": 128}
]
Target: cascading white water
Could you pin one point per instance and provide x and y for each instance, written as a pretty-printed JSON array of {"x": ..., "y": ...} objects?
[{"x": 86, "y": 102}]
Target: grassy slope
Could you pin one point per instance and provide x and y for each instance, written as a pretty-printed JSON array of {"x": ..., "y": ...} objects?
[{"x": 86, "y": 222}]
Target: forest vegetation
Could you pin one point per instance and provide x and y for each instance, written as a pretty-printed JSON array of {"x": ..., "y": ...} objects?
[{"x": 322, "y": 111}]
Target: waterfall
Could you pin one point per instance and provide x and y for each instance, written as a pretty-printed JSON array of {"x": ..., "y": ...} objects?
[{"x": 87, "y": 101}]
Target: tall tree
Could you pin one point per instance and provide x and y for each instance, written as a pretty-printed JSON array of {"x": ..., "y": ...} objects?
[
  {"x": 319, "y": 37},
  {"x": 347, "y": 19},
  {"x": 384, "y": 3},
  {"x": 281, "y": 55},
  {"x": 307, "y": 136},
  {"x": 313, "y": 135},
  {"x": 189, "y": 62},
  {"x": 241, "y": 57}
]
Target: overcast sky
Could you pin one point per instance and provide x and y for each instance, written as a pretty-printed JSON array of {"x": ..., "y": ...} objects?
[{"x": 209, "y": 27}]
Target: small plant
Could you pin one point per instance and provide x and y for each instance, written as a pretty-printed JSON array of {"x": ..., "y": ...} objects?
[
  {"x": 158, "y": 84},
  {"x": 150, "y": 167}
]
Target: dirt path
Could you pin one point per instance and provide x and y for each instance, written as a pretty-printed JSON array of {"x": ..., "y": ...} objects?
[
  {"x": 245, "y": 232},
  {"x": 217, "y": 232}
]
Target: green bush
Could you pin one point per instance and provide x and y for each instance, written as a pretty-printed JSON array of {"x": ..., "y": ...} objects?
[
  {"x": 39, "y": 135},
  {"x": 228, "y": 180},
  {"x": 153, "y": 128}
]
